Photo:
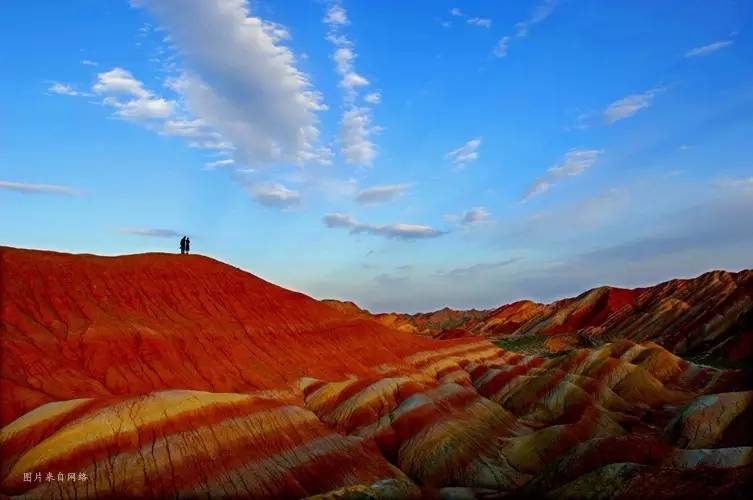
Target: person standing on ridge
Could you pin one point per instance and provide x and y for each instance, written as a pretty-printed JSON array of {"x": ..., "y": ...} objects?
[
  {"x": 183, "y": 245},
  {"x": 188, "y": 244}
]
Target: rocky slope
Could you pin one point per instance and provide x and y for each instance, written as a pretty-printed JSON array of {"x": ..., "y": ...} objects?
[
  {"x": 708, "y": 317},
  {"x": 160, "y": 375}
]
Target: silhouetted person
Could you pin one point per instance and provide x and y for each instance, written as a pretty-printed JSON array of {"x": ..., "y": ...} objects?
[
  {"x": 183, "y": 245},
  {"x": 188, "y": 244}
]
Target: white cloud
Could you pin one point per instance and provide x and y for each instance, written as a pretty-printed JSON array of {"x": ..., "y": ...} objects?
[
  {"x": 574, "y": 163},
  {"x": 482, "y": 22},
  {"x": 455, "y": 12},
  {"x": 343, "y": 57},
  {"x": 466, "y": 153},
  {"x": 540, "y": 13},
  {"x": 150, "y": 232},
  {"x": 29, "y": 188},
  {"x": 351, "y": 80},
  {"x": 186, "y": 128},
  {"x": 65, "y": 89},
  {"x": 473, "y": 216},
  {"x": 130, "y": 99},
  {"x": 354, "y": 137},
  {"x": 142, "y": 109},
  {"x": 708, "y": 49},
  {"x": 539, "y": 186},
  {"x": 225, "y": 162},
  {"x": 400, "y": 231},
  {"x": 628, "y": 106},
  {"x": 275, "y": 195},
  {"x": 503, "y": 44},
  {"x": 380, "y": 194},
  {"x": 373, "y": 98},
  {"x": 336, "y": 15},
  {"x": 355, "y": 124},
  {"x": 120, "y": 81},
  {"x": 87, "y": 62},
  {"x": 241, "y": 81}
]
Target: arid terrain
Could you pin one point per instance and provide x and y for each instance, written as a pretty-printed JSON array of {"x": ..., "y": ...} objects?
[
  {"x": 158, "y": 375},
  {"x": 709, "y": 318}
]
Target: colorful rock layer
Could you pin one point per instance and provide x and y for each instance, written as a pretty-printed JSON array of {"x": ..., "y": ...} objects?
[
  {"x": 708, "y": 317},
  {"x": 155, "y": 376}
]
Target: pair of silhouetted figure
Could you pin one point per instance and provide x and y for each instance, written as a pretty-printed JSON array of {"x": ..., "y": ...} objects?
[{"x": 185, "y": 245}]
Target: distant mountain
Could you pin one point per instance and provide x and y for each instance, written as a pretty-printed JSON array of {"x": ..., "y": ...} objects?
[
  {"x": 708, "y": 317},
  {"x": 160, "y": 375}
]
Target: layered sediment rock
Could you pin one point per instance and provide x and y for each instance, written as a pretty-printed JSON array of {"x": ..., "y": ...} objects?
[
  {"x": 153, "y": 376},
  {"x": 709, "y": 318}
]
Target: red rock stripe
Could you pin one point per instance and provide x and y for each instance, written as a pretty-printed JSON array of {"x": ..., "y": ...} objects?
[
  {"x": 30, "y": 436},
  {"x": 80, "y": 457}
]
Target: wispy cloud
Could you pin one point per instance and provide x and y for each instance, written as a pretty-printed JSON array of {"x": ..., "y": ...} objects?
[
  {"x": 275, "y": 195},
  {"x": 540, "y": 13},
  {"x": 708, "y": 49},
  {"x": 88, "y": 62},
  {"x": 29, "y": 188},
  {"x": 356, "y": 127},
  {"x": 503, "y": 45},
  {"x": 400, "y": 231},
  {"x": 573, "y": 164},
  {"x": 380, "y": 194},
  {"x": 465, "y": 154},
  {"x": 470, "y": 217},
  {"x": 225, "y": 162},
  {"x": 478, "y": 270},
  {"x": 150, "y": 232},
  {"x": 629, "y": 105},
  {"x": 481, "y": 22},
  {"x": 65, "y": 89}
]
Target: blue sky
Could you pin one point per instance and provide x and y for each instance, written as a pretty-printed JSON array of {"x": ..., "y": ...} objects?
[{"x": 406, "y": 155}]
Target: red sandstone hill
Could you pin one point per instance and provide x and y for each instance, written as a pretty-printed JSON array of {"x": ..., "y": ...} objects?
[
  {"x": 710, "y": 316},
  {"x": 85, "y": 326},
  {"x": 163, "y": 375}
]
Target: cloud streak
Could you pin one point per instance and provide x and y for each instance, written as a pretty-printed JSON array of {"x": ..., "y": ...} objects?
[
  {"x": 574, "y": 163},
  {"x": 65, "y": 89},
  {"x": 478, "y": 270},
  {"x": 399, "y": 231},
  {"x": 539, "y": 14},
  {"x": 475, "y": 215},
  {"x": 275, "y": 195},
  {"x": 481, "y": 22},
  {"x": 380, "y": 194},
  {"x": 29, "y": 188},
  {"x": 706, "y": 50},
  {"x": 628, "y": 106},
  {"x": 465, "y": 154}
]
